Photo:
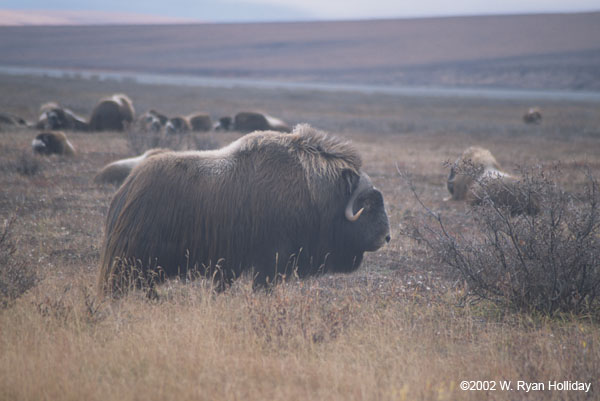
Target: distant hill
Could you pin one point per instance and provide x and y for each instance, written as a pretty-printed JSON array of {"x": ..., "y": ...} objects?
[{"x": 546, "y": 51}]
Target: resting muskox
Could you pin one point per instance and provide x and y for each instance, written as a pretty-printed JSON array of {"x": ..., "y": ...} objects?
[
  {"x": 200, "y": 122},
  {"x": 268, "y": 203},
  {"x": 177, "y": 125},
  {"x": 54, "y": 117},
  {"x": 116, "y": 172},
  {"x": 533, "y": 116},
  {"x": 224, "y": 124},
  {"x": 49, "y": 143},
  {"x": 476, "y": 175},
  {"x": 152, "y": 121},
  {"x": 11, "y": 119},
  {"x": 248, "y": 121},
  {"x": 112, "y": 114}
]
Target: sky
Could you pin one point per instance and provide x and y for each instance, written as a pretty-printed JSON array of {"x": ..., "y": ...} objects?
[{"x": 288, "y": 10}]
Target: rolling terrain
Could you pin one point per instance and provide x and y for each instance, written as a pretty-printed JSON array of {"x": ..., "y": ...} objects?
[{"x": 549, "y": 51}]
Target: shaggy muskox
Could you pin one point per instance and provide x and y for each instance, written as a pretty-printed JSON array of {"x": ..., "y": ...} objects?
[
  {"x": 200, "y": 122},
  {"x": 49, "y": 143},
  {"x": 112, "y": 113},
  {"x": 152, "y": 121},
  {"x": 224, "y": 124},
  {"x": 268, "y": 203},
  {"x": 533, "y": 116},
  {"x": 476, "y": 175},
  {"x": 248, "y": 121},
  {"x": 54, "y": 117},
  {"x": 177, "y": 125},
  {"x": 116, "y": 172}
]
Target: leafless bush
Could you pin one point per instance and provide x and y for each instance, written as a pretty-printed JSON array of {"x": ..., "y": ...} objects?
[
  {"x": 15, "y": 276},
  {"x": 547, "y": 261}
]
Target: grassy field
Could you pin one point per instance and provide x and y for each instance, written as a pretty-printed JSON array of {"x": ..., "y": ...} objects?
[{"x": 393, "y": 330}]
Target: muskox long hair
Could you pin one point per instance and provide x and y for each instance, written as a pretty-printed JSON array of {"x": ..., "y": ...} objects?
[
  {"x": 269, "y": 203},
  {"x": 112, "y": 113}
]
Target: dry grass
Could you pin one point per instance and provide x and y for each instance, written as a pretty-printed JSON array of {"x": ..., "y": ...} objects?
[{"x": 392, "y": 330}]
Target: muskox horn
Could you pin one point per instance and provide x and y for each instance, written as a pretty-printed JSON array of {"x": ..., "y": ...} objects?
[{"x": 364, "y": 183}]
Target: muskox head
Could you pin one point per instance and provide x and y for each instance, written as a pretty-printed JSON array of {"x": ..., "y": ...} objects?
[
  {"x": 477, "y": 178},
  {"x": 269, "y": 203},
  {"x": 152, "y": 121},
  {"x": 533, "y": 116},
  {"x": 224, "y": 124},
  {"x": 177, "y": 125},
  {"x": 48, "y": 143}
]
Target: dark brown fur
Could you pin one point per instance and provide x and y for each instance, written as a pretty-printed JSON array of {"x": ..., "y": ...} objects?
[
  {"x": 177, "y": 125},
  {"x": 269, "y": 202},
  {"x": 112, "y": 114},
  {"x": 200, "y": 122},
  {"x": 55, "y": 117},
  {"x": 52, "y": 143},
  {"x": 533, "y": 116},
  {"x": 248, "y": 121}
]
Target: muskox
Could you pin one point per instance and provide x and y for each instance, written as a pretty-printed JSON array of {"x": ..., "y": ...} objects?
[
  {"x": 152, "y": 121},
  {"x": 269, "y": 204},
  {"x": 177, "y": 125},
  {"x": 11, "y": 119},
  {"x": 116, "y": 172},
  {"x": 223, "y": 124},
  {"x": 476, "y": 176},
  {"x": 248, "y": 121},
  {"x": 54, "y": 117},
  {"x": 114, "y": 113},
  {"x": 200, "y": 122},
  {"x": 533, "y": 116},
  {"x": 55, "y": 142}
]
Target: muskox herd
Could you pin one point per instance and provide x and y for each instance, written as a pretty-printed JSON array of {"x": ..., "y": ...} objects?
[{"x": 269, "y": 205}]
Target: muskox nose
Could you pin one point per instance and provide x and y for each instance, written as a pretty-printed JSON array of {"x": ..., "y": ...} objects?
[{"x": 388, "y": 238}]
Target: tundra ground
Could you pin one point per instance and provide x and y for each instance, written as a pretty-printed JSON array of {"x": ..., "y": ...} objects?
[{"x": 395, "y": 329}]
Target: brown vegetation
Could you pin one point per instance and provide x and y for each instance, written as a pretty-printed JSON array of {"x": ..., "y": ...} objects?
[{"x": 395, "y": 329}]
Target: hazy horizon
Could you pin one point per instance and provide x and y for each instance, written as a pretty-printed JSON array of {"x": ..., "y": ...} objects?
[{"x": 291, "y": 10}]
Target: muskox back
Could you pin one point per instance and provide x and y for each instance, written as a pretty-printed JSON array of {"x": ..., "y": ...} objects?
[
  {"x": 248, "y": 121},
  {"x": 200, "y": 122},
  {"x": 112, "y": 114},
  {"x": 116, "y": 172},
  {"x": 267, "y": 203}
]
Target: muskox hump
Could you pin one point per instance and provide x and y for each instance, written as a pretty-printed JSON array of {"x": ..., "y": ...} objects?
[{"x": 269, "y": 204}]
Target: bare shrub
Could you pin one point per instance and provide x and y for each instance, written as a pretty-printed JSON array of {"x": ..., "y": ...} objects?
[
  {"x": 547, "y": 261},
  {"x": 16, "y": 277}
]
